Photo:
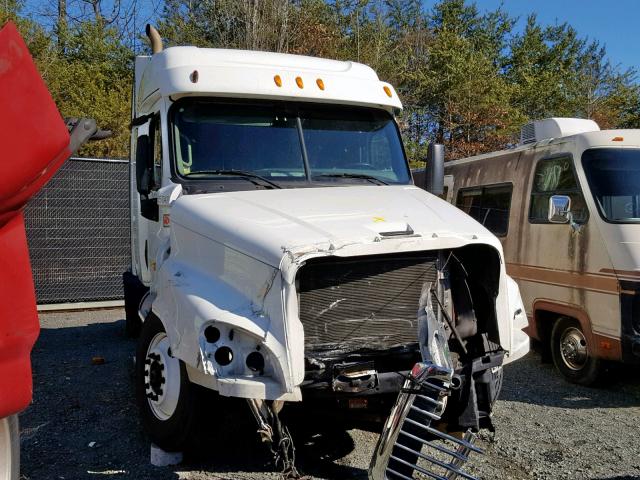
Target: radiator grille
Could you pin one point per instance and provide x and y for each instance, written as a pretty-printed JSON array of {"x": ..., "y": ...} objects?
[{"x": 365, "y": 303}]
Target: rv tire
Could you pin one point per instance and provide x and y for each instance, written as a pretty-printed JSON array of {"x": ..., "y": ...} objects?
[
  {"x": 169, "y": 404},
  {"x": 572, "y": 355}
]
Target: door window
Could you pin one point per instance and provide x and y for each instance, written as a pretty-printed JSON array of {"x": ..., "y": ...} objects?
[
  {"x": 489, "y": 205},
  {"x": 555, "y": 176}
]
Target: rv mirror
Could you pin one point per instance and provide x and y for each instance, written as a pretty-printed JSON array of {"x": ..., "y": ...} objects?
[
  {"x": 143, "y": 170},
  {"x": 559, "y": 209},
  {"x": 434, "y": 171}
]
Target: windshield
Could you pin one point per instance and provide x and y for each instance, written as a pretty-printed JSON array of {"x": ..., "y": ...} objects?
[
  {"x": 614, "y": 177},
  {"x": 287, "y": 143}
]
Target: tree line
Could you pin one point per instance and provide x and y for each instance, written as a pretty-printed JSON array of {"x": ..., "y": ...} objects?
[{"x": 468, "y": 78}]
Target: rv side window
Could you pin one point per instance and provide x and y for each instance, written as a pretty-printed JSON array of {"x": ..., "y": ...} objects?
[
  {"x": 488, "y": 205},
  {"x": 555, "y": 176}
]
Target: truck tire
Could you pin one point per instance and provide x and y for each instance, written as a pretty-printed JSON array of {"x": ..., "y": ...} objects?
[
  {"x": 134, "y": 290},
  {"x": 169, "y": 404},
  {"x": 9, "y": 448},
  {"x": 572, "y": 354}
]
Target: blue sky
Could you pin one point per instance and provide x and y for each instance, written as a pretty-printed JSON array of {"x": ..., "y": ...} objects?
[{"x": 614, "y": 23}]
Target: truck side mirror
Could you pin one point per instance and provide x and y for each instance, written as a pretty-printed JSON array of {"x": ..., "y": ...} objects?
[
  {"x": 434, "y": 171},
  {"x": 144, "y": 170},
  {"x": 559, "y": 209}
]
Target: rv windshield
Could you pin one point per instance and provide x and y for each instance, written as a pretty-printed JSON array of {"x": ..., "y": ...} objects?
[
  {"x": 614, "y": 177},
  {"x": 286, "y": 143}
]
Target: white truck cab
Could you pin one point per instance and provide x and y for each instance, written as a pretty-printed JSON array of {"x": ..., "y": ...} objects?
[{"x": 279, "y": 245}]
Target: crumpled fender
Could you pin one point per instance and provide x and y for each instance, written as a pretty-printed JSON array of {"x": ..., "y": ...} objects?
[{"x": 208, "y": 284}]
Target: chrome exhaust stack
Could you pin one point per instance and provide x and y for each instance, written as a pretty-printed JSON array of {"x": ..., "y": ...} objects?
[{"x": 155, "y": 40}]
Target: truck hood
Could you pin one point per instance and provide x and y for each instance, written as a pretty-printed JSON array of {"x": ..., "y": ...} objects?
[{"x": 272, "y": 224}]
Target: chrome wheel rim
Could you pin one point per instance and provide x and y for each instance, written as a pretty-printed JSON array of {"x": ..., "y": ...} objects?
[
  {"x": 573, "y": 349},
  {"x": 161, "y": 378}
]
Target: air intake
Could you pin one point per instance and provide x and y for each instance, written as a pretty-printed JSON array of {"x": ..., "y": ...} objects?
[
  {"x": 528, "y": 134},
  {"x": 555, "y": 128}
]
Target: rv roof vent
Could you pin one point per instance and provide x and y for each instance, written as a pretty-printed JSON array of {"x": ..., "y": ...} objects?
[
  {"x": 528, "y": 133},
  {"x": 555, "y": 128}
]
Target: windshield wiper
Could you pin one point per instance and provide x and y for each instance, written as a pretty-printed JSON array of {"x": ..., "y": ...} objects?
[
  {"x": 240, "y": 173},
  {"x": 371, "y": 178}
]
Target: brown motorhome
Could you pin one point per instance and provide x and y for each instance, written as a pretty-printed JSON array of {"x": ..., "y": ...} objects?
[{"x": 566, "y": 205}]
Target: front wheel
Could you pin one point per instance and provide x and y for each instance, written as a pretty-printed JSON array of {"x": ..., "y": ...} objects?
[
  {"x": 168, "y": 402},
  {"x": 572, "y": 355},
  {"x": 9, "y": 448}
]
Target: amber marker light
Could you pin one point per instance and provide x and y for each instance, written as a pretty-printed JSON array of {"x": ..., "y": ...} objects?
[
  {"x": 299, "y": 82},
  {"x": 617, "y": 139},
  {"x": 320, "y": 84},
  {"x": 387, "y": 90},
  {"x": 277, "y": 80}
]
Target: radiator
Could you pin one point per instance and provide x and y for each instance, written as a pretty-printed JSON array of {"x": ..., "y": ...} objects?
[{"x": 363, "y": 302}]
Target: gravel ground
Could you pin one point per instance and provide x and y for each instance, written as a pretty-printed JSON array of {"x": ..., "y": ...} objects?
[{"x": 546, "y": 428}]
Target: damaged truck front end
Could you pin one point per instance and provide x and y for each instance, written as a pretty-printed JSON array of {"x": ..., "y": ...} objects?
[
  {"x": 341, "y": 320},
  {"x": 360, "y": 314}
]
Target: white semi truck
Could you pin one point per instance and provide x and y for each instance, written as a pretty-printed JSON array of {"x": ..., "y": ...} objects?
[{"x": 280, "y": 247}]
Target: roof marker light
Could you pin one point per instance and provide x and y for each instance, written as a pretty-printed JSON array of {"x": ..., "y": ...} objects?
[
  {"x": 387, "y": 90},
  {"x": 617, "y": 139},
  {"x": 320, "y": 83},
  {"x": 299, "y": 82},
  {"x": 277, "y": 80}
]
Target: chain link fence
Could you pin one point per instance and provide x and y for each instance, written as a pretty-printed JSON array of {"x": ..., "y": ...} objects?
[{"x": 78, "y": 232}]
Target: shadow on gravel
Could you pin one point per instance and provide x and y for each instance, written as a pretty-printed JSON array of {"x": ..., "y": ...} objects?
[
  {"x": 529, "y": 380},
  {"x": 83, "y": 423},
  {"x": 227, "y": 442},
  {"x": 319, "y": 445},
  {"x": 627, "y": 477}
]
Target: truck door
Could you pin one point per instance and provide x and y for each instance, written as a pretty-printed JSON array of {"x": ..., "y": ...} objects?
[{"x": 148, "y": 173}]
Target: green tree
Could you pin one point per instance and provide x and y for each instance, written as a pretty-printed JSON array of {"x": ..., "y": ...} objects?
[
  {"x": 92, "y": 78},
  {"x": 467, "y": 78}
]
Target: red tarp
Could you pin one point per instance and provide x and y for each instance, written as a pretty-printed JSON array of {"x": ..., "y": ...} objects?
[{"x": 34, "y": 142}]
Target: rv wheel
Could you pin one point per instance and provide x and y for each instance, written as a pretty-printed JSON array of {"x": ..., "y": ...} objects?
[
  {"x": 572, "y": 354},
  {"x": 168, "y": 402}
]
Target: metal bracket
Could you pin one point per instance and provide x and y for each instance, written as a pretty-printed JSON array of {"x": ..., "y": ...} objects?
[{"x": 82, "y": 131}]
